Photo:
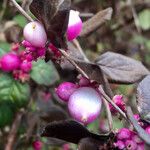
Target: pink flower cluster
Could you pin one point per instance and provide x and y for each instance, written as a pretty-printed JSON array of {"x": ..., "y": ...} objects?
[
  {"x": 118, "y": 100},
  {"x": 32, "y": 52},
  {"x": 37, "y": 145},
  {"x": 17, "y": 63},
  {"x": 127, "y": 139}
]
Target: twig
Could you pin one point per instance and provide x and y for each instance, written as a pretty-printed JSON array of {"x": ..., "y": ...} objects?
[
  {"x": 109, "y": 115},
  {"x": 76, "y": 43},
  {"x": 112, "y": 103},
  {"x": 73, "y": 63},
  {"x": 86, "y": 14},
  {"x": 21, "y": 10},
  {"x": 141, "y": 132},
  {"x": 107, "y": 87},
  {"x": 13, "y": 131},
  {"x": 4, "y": 6},
  {"x": 136, "y": 21}
]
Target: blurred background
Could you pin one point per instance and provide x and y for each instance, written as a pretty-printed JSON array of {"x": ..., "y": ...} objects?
[{"x": 31, "y": 104}]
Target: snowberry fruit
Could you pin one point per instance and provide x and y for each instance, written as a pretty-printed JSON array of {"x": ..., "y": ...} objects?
[
  {"x": 37, "y": 145},
  {"x": 10, "y": 62},
  {"x": 74, "y": 25},
  {"x": 35, "y": 34},
  {"x": 65, "y": 90},
  {"x": 85, "y": 104}
]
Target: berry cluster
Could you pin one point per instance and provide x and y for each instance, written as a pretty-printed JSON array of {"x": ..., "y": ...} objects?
[
  {"x": 16, "y": 63},
  {"x": 83, "y": 99},
  {"x": 118, "y": 100},
  {"x": 35, "y": 36},
  {"x": 127, "y": 139}
]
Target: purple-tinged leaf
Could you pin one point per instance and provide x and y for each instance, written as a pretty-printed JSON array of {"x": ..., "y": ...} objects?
[
  {"x": 54, "y": 14},
  {"x": 55, "y": 113},
  {"x": 92, "y": 70},
  {"x": 121, "y": 69},
  {"x": 71, "y": 131},
  {"x": 143, "y": 98},
  {"x": 96, "y": 21}
]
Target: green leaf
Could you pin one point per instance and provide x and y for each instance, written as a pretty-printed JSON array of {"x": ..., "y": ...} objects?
[
  {"x": 14, "y": 91},
  {"x": 6, "y": 115},
  {"x": 144, "y": 19},
  {"x": 44, "y": 73},
  {"x": 4, "y": 48},
  {"x": 20, "y": 20}
]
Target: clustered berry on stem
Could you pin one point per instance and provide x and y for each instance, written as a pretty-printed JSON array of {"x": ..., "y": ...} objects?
[
  {"x": 36, "y": 38},
  {"x": 83, "y": 99},
  {"x": 118, "y": 100},
  {"x": 127, "y": 139},
  {"x": 16, "y": 63}
]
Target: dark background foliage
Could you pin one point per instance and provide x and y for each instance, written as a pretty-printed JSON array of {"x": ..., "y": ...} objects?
[{"x": 127, "y": 33}]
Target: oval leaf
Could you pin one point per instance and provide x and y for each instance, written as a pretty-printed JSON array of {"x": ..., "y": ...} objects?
[
  {"x": 143, "y": 98},
  {"x": 44, "y": 73},
  {"x": 121, "y": 69},
  {"x": 14, "y": 91},
  {"x": 54, "y": 14}
]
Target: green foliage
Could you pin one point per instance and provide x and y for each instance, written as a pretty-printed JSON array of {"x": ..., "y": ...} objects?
[
  {"x": 20, "y": 20},
  {"x": 13, "y": 91},
  {"x": 6, "y": 115},
  {"x": 4, "y": 48},
  {"x": 144, "y": 19},
  {"x": 44, "y": 73}
]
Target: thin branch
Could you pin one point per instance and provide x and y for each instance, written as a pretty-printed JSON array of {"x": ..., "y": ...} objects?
[
  {"x": 141, "y": 132},
  {"x": 109, "y": 115},
  {"x": 21, "y": 10},
  {"x": 73, "y": 63},
  {"x": 112, "y": 103},
  {"x": 76, "y": 43},
  {"x": 13, "y": 132},
  {"x": 4, "y": 6},
  {"x": 136, "y": 22}
]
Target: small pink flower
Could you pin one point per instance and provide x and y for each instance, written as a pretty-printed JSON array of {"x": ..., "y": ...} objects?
[
  {"x": 84, "y": 81},
  {"x": 15, "y": 46},
  {"x": 137, "y": 117},
  {"x": 26, "y": 66},
  {"x": 131, "y": 145},
  {"x": 148, "y": 129},
  {"x": 140, "y": 146},
  {"x": 124, "y": 133},
  {"x": 66, "y": 147},
  {"x": 136, "y": 139},
  {"x": 120, "y": 144},
  {"x": 118, "y": 100},
  {"x": 37, "y": 145}
]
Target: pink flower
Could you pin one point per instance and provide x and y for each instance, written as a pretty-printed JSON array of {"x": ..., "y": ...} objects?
[
  {"x": 124, "y": 133},
  {"x": 37, "y": 145},
  {"x": 120, "y": 144},
  {"x": 131, "y": 145}
]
